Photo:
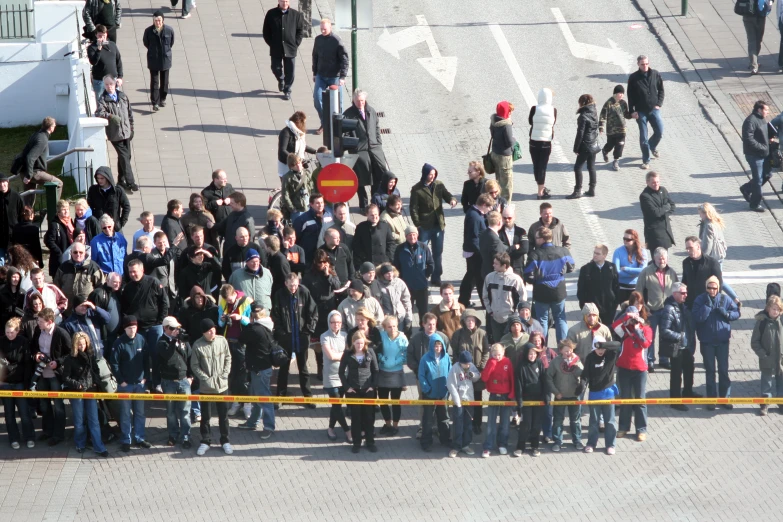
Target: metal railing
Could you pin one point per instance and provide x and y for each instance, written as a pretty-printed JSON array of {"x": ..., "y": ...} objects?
[
  {"x": 16, "y": 22},
  {"x": 87, "y": 88}
]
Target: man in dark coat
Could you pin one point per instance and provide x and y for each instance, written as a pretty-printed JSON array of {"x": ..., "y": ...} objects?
[
  {"x": 235, "y": 256},
  {"x": 645, "y": 98},
  {"x": 171, "y": 225},
  {"x": 107, "y": 198},
  {"x": 238, "y": 217},
  {"x": 599, "y": 284},
  {"x": 283, "y": 32},
  {"x": 31, "y": 163},
  {"x": 11, "y": 207},
  {"x": 475, "y": 225},
  {"x": 490, "y": 244},
  {"x": 105, "y": 59},
  {"x": 308, "y": 225},
  {"x": 101, "y": 12},
  {"x": 340, "y": 254},
  {"x": 516, "y": 240},
  {"x": 216, "y": 195},
  {"x": 755, "y": 147},
  {"x": 371, "y": 163},
  {"x": 373, "y": 241},
  {"x": 330, "y": 65},
  {"x": 158, "y": 39},
  {"x": 696, "y": 269},
  {"x": 657, "y": 206}
]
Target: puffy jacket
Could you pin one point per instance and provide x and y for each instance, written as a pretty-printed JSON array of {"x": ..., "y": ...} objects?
[
  {"x": 586, "y": 128},
  {"x": 498, "y": 377},
  {"x": 755, "y": 136},
  {"x": 433, "y": 372},
  {"x": 647, "y": 284},
  {"x": 712, "y": 318},
  {"x": 258, "y": 286},
  {"x": 546, "y": 269},
  {"x": 645, "y": 91},
  {"x": 474, "y": 341},
  {"x": 426, "y": 204},
  {"x": 158, "y": 46},
  {"x": 108, "y": 108},
  {"x": 78, "y": 373},
  {"x": 502, "y": 291},
  {"x": 765, "y": 341},
  {"x": 173, "y": 358},
  {"x": 78, "y": 280},
  {"x": 563, "y": 377},
  {"x": 109, "y": 252},
  {"x": 672, "y": 329},
  {"x": 113, "y": 202},
  {"x": 636, "y": 340},
  {"x": 415, "y": 264},
  {"x": 542, "y": 117},
  {"x": 210, "y": 362},
  {"x": 501, "y": 130},
  {"x": 359, "y": 375}
]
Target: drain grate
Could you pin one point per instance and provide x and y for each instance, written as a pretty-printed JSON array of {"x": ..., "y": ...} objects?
[
  {"x": 746, "y": 100},
  {"x": 385, "y": 131}
]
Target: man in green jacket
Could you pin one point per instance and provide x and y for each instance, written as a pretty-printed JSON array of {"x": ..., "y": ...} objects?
[
  {"x": 427, "y": 197},
  {"x": 210, "y": 363}
]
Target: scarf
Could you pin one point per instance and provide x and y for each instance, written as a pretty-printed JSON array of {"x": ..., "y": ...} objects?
[{"x": 69, "y": 228}]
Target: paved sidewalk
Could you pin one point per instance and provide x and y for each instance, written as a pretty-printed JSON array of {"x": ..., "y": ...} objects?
[{"x": 709, "y": 46}]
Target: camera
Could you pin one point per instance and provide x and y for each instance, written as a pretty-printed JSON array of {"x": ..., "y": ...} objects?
[{"x": 39, "y": 369}]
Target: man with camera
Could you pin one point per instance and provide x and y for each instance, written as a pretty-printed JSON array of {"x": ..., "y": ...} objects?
[{"x": 175, "y": 377}]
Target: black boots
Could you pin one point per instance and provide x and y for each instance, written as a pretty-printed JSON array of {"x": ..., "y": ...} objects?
[
  {"x": 576, "y": 194},
  {"x": 590, "y": 192}
]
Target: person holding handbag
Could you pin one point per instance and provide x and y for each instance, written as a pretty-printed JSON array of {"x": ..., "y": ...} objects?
[
  {"x": 502, "y": 147},
  {"x": 585, "y": 145},
  {"x": 542, "y": 119}
]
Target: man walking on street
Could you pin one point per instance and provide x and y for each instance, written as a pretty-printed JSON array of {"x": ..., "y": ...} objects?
[
  {"x": 657, "y": 206},
  {"x": 283, "y": 33},
  {"x": 102, "y": 12},
  {"x": 371, "y": 164},
  {"x": 115, "y": 107},
  {"x": 755, "y": 146},
  {"x": 330, "y": 65},
  {"x": 158, "y": 39},
  {"x": 645, "y": 98}
]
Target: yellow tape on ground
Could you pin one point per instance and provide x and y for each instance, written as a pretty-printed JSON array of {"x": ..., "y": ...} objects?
[{"x": 368, "y": 402}]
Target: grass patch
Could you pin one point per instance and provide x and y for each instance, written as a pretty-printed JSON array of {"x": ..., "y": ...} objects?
[{"x": 12, "y": 142}]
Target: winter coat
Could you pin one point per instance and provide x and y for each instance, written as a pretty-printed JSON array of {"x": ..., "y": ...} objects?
[
  {"x": 368, "y": 131},
  {"x": 560, "y": 236},
  {"x": 542, "y": 118},
  {"x": 599, "y": 286},
  {"x": 586, "y": 129},
  {"x": 419, "y": 346},
  {"x": 113, "y": 202},
  {"x": 415, "y": 265},
  {"x": 647, "y": 284},
  {"x": 695, "y": 273},
  {"x": 518, "y": 236},
  {"x": 330, "y": 59},
  {"x": 475, "y": 224},
  {"x": 766, "y": 342},
  {"x": 449, "y": 319},
  {"x": 92, "y": 10},
  {"x": 158, "y": 46},
  {"x": 562, "y": 378},
  {"x": 656, "y": 208},
  {"x": 348, "y": 308},
  {"x": 672, "y": 329},
  {"x": 307, "y": 312},
  {"x": 613, "y": 116},
  {"x": 308, "y": 227},
  {"x": 57, "y": 239},
  {"x": 79, "y": 373},
  {"x": 546, "y": 269},
  {"x": 755, "y": 136},
  {"x": 283, "y": 31},
  {"x": 28, "y": 234},
  {"x": 19, "y": 361},
  {"x": 471, "y": 192},
  {"x": 645, "y": 91},
  {"x": 375, "y": 244},
  {"x": 147, "y": 300},
  {"x": 173, "y": 227},
  {"x": 78, "y": 280},
  {"x": 173, "y": 358},
  {"x": 130, "y": 360},
  {"x": 259, "y": 344},
  {"x": 489, "y": 246},
  {"x": 713, "y": 242},
  {"x": 34, "y": 156},
  {"x": 498, "y": 377},
  {"x": 211, "y": 194},
  {"x": 636, "y": 340},
  {"x": 502, "y": 291},
  {"x": 395, "y": 299},
  {"x": 712, "y": 318},
  {"x": 426, "y": 203},
  {"x": 228, "y": 227},
  {"x": 11, "y": 207},
  {"x": 529, "y": 378},
  {"x": 476, "y": 342},
  {"x": 109, "y": 109},
  {"x": 297, "y": 187},
  {"x": 433, "y": 372},
  {"x": 210, "y": 363},
  {"x": 397, "y": 224},
  {"x": 502, "y": 133},
  {"x": 359, "y": 375},
  {"x": 582, "y": 336},
  {"x": 109, "y": 252}
]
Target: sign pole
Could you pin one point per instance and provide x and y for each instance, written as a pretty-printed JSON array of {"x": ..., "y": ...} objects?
[
  {"x": 354, "y": 68},
  {"x": 334, "y": 104}
]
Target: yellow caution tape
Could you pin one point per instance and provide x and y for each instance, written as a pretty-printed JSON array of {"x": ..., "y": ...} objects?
[{"x": 369, "y": 402}]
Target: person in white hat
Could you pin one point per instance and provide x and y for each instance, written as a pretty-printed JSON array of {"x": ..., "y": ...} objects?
[{"x": 175, "y": 378}]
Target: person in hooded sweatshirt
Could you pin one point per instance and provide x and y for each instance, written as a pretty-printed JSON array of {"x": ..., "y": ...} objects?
[
  {"x": 562, "y": 380},
  {"x": 498, "y": 376},
  {"x": 542, "y": 119},
  {"x": 766, "y": 343},
  {"x": 392, "y": 215},
  {"x": 392, "y": 353},
  {"x": 106, "y": 197},
  {"x": 359, "y": 376},
  {"x": 502, "y": 147},
  {"x": 434, "y": 369},
  {"x": 461, "y": 383},
  {"x": 598, "y": 375},
  {"x": 530, "y": 385},
  {"x": 585, "y": 145},
  {"x": 473, "y": 338},
  {"x": 387, "y": 188},
  {"x": 426, "y": 205}
]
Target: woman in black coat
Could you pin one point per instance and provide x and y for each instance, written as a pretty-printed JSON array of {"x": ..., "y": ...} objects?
[
  {"x": 59, "y": 236},
  {"x": 585, "y": 145},
  {"x": 11, "y": 296},
  {"x": 294, "y": 131},
  {"x": 28, "y": 234}
]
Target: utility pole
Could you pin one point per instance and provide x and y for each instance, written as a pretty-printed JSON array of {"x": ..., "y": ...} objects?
[{"x": 354, "y": 30}]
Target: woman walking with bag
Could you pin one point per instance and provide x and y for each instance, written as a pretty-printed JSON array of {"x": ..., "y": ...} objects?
[
  {"x": 542, "y": 119},
  {"x": 713, "y": 243},
  {"x": 585, "y": 145},
  {"x": 502, "y": 146}
]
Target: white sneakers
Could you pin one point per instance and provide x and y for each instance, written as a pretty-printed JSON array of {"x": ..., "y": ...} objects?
[
  {"x": 503, "y": 451},
  {"x": 31, "y": 444},
  {"x": 227, "y": 449},
  {"x": 202, "y": 449},
  {"x": 15, "y": 445},
  {"x": 247, "y": 409},
  {"x": 233, "y": 409}
]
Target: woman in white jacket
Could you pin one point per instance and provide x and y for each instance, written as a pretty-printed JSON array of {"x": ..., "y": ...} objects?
[
  {"x": 713, "y": 243},
  {"x": 542, "y": 120}
]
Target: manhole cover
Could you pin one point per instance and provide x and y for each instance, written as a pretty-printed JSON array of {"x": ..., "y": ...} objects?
[{"x": 746, "y": 100}]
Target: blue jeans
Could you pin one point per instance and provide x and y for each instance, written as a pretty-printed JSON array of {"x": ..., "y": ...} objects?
[
  {"x": 462, "y": 418},
  {"x": 195, "y": 407},
  {"x": 88, "y": 408},
  {"x": 771, "y": 384},
  {"x": 541, "y": 311},
  {"x": 97, "y": 86},
  {"x": 321, "y": 84},
  {"x": 633, "y": 385},
  {"x": 654, "y": 117},
  {"x": 187, "y": 5},
  {"x": 610, "y": 423},
  {"x": 726, "y": 288},
  {"x": 436, "y": 237},
  {"x": 177, "y": 412},
  {"x": 654, "y": 321},
  {"x": 261, "y": 386},
  {"x": 760, "y": 169},
  {"x": 10, "y": 405},
  {"x": 711, "y": 352},
  {"x": 492, "y": 423},
  {"x": 574, "y": 419},
  {"x": 546, "y": 427},
  {"x": 138, "y": 414},
  {"x": 151, "y": 336}
]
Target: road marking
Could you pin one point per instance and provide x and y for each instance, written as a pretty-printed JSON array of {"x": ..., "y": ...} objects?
[
  {"x": 611, "y": 55},
  {"x": 442, "y": 68},
  {"x": 557, "y": 154}
]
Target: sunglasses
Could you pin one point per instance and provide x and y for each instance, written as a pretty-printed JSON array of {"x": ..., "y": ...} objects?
[
  {"x": 627, "y": 239},
  {"x": 712, "y": 288}
]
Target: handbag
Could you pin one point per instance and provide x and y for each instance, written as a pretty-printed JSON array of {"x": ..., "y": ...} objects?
[
  {"x": 106, "y": 381},
  {"x": 489, "y": 166},
  {"x": 594, "y": 148},
  {"x": 744, "y": 7},
  {"x": 516, "y": 152}
]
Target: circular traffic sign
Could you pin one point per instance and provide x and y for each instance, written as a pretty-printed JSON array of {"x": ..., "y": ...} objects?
[{"x": 337, "y": 182}]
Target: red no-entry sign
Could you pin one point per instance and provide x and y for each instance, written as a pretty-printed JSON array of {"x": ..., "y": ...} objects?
[{"x": 337, "y": 182}]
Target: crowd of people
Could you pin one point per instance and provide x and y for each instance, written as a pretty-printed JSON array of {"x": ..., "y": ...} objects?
[{"x": 212, "y": 303}]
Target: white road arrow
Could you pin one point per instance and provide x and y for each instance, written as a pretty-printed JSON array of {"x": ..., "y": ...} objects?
[
  {"x": 442, "y": 68},
  {"x": 611, "y": 55}
]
